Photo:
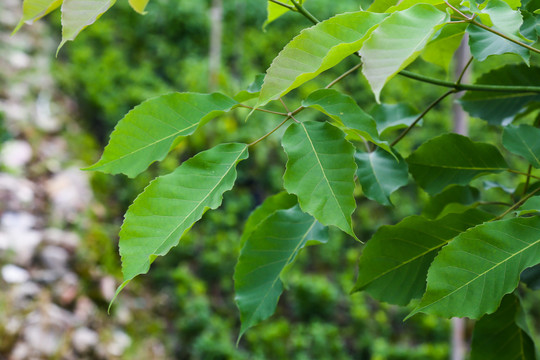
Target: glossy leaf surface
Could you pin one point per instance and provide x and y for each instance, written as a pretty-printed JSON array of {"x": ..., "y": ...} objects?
[
  {"x": 320, "y": 171},
  {"x": 471, "y": 275},
  {"x": 270, "y": 248},
  {"x": 394, "y": 264},
  {"x": 171, "y": 204},
  {"x": 147, "y": 133},
  {"x": 452, "y": 159},
  {"x": 315, "y": 50},
  {"x": 380, "y": 174},
  {"x": 397, "y": 41},
  {"x": 393, "y": 116}
]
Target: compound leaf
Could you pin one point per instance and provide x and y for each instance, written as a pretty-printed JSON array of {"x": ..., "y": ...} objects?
[
  {"x": 380, "y": 174},
  {"x": 503, "y": 334},
  {"x": 523, "y": 140},
  {"x": 346, "y": 112},
  {"x": 315, "y": 50},
  {"x": 269, "y": 249},
  {"x": 320, "y": 171},
  {"x": 394, "y": 264},
  {"x": 472, "y": 273},
  {"x": 397, "y": 41},
  {"x": 171, "y": 204},
  {"x": 452, "y": 159},
  {"x": 147, "y": 133}
]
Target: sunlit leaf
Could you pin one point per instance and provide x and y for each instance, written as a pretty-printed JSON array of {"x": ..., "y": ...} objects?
[
  {"x": 36, "y": 9},
  {"x": 271, "y": 247},
  {"x": 380, "y": 174},
  {"x": 315, "y": 50},
  {"x": 320, "y": 171},
  {"x": 397, "y": 41},
  {"x": 394, "y": 264},
  {"x": 147, "y": 133},
  {"x": 78, "y": 14},
  {"x": 503, "y": 334},
  {"x": 441, "y": 49},
  {"x": 523, "y": 140},
  {"x": 139, "y": 5},
  {"x": 474, "y": 271},
  {"x": 275, "y": 11},
  {"x": 171, "y": 204},
  {"x": 452, "y": 159}
]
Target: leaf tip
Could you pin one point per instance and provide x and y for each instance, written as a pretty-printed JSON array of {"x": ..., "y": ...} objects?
[{"x": 118, "y": 290}]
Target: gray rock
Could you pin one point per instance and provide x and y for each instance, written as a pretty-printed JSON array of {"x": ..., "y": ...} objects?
[
  {"x": 119, "y": 343},
  {"x": 15, "y": 154},
  {"x": 15, "y": 193},
  {"x": 21, "y": 245},
  {"x": 46, "y": 328},
  {"x": 66, "y": 239},
  {"x": 55, "y": 258},
  {"x": 69, "y": 192},
  {"x": 24, "y": 294}
]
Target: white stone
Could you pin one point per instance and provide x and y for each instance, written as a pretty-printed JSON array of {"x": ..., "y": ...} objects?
[
  {"x": 55, "y": 258},
  {"x": 15, "y": 154},
  {"x": 69, "y": 192},
  {"x": 119, "y": 343},
  {"x": 14, "y": 275},
  {"x": 84, "y": 340},
  {"x": 21, "y": 243}
]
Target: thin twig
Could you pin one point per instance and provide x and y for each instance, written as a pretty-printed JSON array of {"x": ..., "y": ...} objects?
[
  {"x": 270, "y": 133},
  {"x": 263, "y": 110},
  {"x": 302, "y": 10},
  {"x": 526, "y": 187},
  {"x": 464, "y": 71},
  {"x": 344, "y": 75},
  {"x": 290, "y": 7},
  {"x": 516, "y": 205},
  {"x": 522, "y": 173},
  {"x": 431, "y": 106}
]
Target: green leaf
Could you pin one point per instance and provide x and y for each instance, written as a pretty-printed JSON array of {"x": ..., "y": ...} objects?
[
  {"x": 503, "y": 334},
  {"x": 471, "y": 275},
  {"x": 499, "y": 14},
  {"x": 380, "y": 6},
  {"x": 453, "y": 194},
  {"x": 147, "y": 133},
  {"x": 275, "y": 11},
  {"x": 315, "y": 50},
  {"x": 405, "y": 4},
  {"x": 272, "y": 204},
  {"x": 36, "y": 9},
  {"x": 523, "y": 140},
  {"x": 380, "y": 174},
  {"x": 139, "y": 5},
  {"x": 346, "y": 112},
  {"x": 171, "y": 204},
  {"x": 253, "y": 90},
  {"x": 397, "y": 42},
  {"x": 393, "y": 116},
  {"x": 320, "y": 171},
  {"x": 531, "y": 277},
  {"x": 452, "y": 159},
  {"x": 271, "y": 248},
  {"x": 78, "y": 14},
  {"x": 394, "y": 264},
  {"x": 484, "y": 44},
  {"x": 441, "y": 49},
  {"x": 498, "y": 107}
]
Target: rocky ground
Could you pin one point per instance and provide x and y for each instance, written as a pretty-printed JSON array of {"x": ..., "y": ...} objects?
[{"x": 46, "y": 311}]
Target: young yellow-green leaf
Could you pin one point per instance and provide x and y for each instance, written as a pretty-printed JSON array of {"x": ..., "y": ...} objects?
[
  {"x": 452, "y": 159},
  {"x": 275, "y": 11},
  {"x": 405, "y": 4},
  {"x": 531, "y": 206},
  {"x": 499, "y": 14},
  {"x": 346, "y": 112},
  {"x": 280, "y": 201},
  {"x": 171, "y": 204},
  {"x": 498, "y": 107},
  {"x": 139, "y": 5},
  {"x": 380, "y": 174},
  {"x": 36, "y": 9},
  {"x": 268, "y": 251},
  {"x": 397, "y": 41},
  {"x": 147, "y": 133},
  {"x": 393, "y": 116},
  {"x": 315, "y": 50},
  {"x": 78, "y": 14},
  {"x": 380, "y": 6},
  {"x": 523, "y": 140},
  {"x": 394, "y": 264},
  {"x": 503, "y": 334},
  {"x": 456, "y": 194},
  {"x": 470, "y": 275},
  {"x": 320, "y": 171},
  {"x": 441, "y": 49}
]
